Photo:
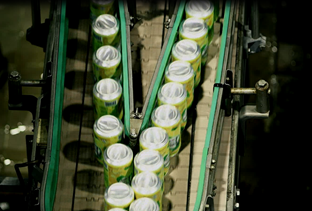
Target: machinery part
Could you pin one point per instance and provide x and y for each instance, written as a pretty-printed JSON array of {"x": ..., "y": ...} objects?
[{"x": 17, "y": 101}]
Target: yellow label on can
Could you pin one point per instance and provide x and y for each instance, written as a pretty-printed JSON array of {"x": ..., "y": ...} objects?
[
  {"x": 159, "y": 172},
  {"x": 209, "y": 20},
  {"x": 202, "y": 42},
  {"x": 164, "y": 151},
  {"x": 174, "y": 134},
  {"x": 106, "y": 72},
  {"x": 189, "y": 87},
  {"x": 182, "y": 107},
  {"x": 101, "y": 40},
  {"x": 113, "y": 107},
  {"x": 113, "y": 174},
  {"x": 196, "y": 65},
  {"x": 101, "y": 143},
  {"x": 157, "y": 197}
]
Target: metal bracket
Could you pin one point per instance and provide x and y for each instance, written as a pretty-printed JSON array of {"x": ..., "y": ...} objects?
[
  {"x": 18, "y": 101},
  {"x": 262, "y": 91},
  {"x": 209, "y": 204},
  {"x": 227, "y": 96},
  {"x": 251, "y": 44},
  {"x": 136, "y": 119}
]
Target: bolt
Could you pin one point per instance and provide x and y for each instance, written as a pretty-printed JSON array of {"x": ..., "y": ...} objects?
[
  {"x": 139, "y": 115},
  {"x": 14, "y": 75},
  {"x": 133, "y": 134},
  {"x": 262, "y": 83},
  {"x": 212, "y": 167},
  {"x": 238, "y": 192},
  {"x": 213, "y": 161},
  {"x": 236, "y": 206}
]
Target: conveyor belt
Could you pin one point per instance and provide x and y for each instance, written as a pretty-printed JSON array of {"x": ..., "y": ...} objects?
[{"x": 80, "y": 178}]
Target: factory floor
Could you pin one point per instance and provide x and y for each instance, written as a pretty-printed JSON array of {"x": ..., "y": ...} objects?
[{"x": 275, "y": 159}]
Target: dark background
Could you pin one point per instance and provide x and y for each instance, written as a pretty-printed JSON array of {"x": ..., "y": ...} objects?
[{"x": 275, "y": 169}]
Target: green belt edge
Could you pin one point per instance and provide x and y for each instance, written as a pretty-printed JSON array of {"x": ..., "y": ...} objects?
[
  {"x": 124, "y": 59},
  {"x": 52, "y": 176},
  {"x": 213, "y": 107}
]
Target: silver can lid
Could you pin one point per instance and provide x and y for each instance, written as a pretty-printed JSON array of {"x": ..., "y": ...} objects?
[
  {"x": 172, "y": 93},
  {"x": 119, "y": 194},
  {"x": 193, "y": 28},
  {"x": 108, "y": 126},
  {"x": 186, "y": 50},
  {"x": 146, "y": 183},
  {"x": 118, "y": 154},
  {"x": 148, "y": 160},
  {"x": 166, "y": 115},
  {"x": 107, "y": 56},
  {"x": 105, "y": 25},
  {"x": 199, "y": 8},
  {"x": 154, "y": 137},
  {"x": 107, "y": 89},
  {"x": 179, "y": 71},
  {"x": 144, "y": 204}
]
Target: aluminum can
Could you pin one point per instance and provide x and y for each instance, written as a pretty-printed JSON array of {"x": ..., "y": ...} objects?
[
  {"x": 106, "y": 31},
  {"x": 107, "y": 130},
  {"x": 183, "y": 73},
  {"x": 174, "y": 93},
  {"x": 99, "y": 7},
  {"x": 156, "y": 138},
  {"x": 188, "y": 51},
  {"x": 118, "y": 164},
  {"x": 106, "y": 63},
  {"x": 144, "y": 204},
  {"x": 204, "y": 10},
  {"x": 107, "y": 98},
  {"x": 117, "y": 209},
  {"x": 148, "y": 184},
  {"x": 149, "y": 160},
  {"x": 168, "y": 117},
  {"x": 197, "y": 30},
  {"x": 118, "y": 195}
]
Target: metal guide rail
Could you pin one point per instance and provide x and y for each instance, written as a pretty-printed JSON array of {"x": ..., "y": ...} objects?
[{"x": 72, "y": 178}]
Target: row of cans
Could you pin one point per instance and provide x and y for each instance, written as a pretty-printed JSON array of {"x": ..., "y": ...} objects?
[
  {"x": 107, "y": 68},
  {"x": 183, "y": 74},
  {"x": 147, "y": 179},
  {"x": 106, "y": 48},
  {"x": 195, "y": 35},
  {"x": 144, "y": 172},
  {"x": 118, "y": 159},
  {"x": 174, "y": 98},
  {"x": 143, "y": 194}
]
